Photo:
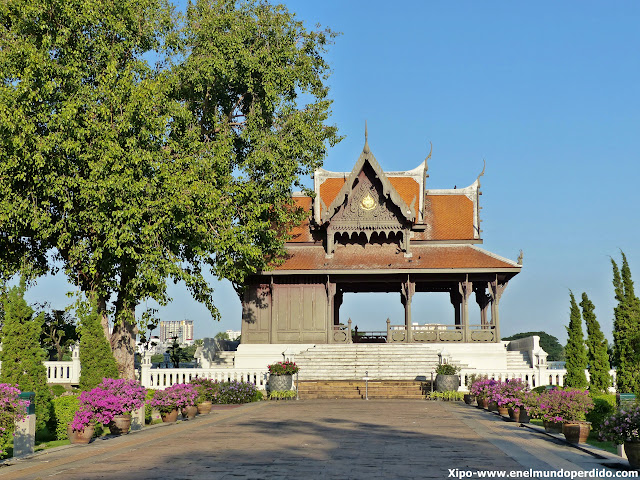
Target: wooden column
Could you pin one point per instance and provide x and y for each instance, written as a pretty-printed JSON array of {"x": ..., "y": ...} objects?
[
  {"x": 331, "y": 293},
  {"x": 496, "y": 289},
  {"x": 407, "y": 290},
  {"x": 465, "y": 288},
  {"x": 483, "y": 300},
  {"x": 456, "y": 301}
]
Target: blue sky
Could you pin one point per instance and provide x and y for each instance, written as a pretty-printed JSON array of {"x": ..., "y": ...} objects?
[{"x": 546, "y": 92}]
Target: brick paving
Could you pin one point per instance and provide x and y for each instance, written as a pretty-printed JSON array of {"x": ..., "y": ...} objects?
[{"x": 328, "y": 439}]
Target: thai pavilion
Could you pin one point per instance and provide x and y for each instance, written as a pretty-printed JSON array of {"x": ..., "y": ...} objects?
[{"x": 375, "y": 231}]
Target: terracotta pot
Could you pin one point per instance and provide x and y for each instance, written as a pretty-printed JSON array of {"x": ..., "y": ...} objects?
[
  {"x": 493, "y": 406},
  {"x": 170, "y": 417},
  {"x": 519, "y": 415},
  {"x": 120, "y": 424},
  {"x": 504, "y": 411},
  {"x": 469, "y": 399},
  {"x": 204, "y": 408},
  {"x": 552, "y": 427},
  {"x": 482, "y": 402},
  {"x": 632, "y": 449},
  {"x": 190, "y": 412},
  {"x": 576, "y": 432},
  {"x": 80, "y": 436}
]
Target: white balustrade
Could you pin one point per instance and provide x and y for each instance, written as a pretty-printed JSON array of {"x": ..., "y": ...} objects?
[{"x": 161, "y": 378}]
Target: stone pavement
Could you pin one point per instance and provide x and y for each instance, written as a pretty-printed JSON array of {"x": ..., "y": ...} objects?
[{"x": 333, "y": 439}]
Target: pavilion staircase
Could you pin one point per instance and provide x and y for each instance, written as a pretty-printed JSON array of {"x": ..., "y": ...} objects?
[
  {"x": 395, "y": 370},
  {"x": 518, "y": 360}
]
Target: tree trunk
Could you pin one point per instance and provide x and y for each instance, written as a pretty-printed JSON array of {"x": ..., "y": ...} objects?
[
  {"x": 104, "y": 317},
  {"x": 123, "y": 345}
]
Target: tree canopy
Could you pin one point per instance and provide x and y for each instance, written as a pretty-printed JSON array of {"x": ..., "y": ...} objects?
[
  {"x": 549, "y": 344},
  {"x": 133, "y": 173},
  {"x": 597, "y": 356},
  {"x": 575, "y": 350}
]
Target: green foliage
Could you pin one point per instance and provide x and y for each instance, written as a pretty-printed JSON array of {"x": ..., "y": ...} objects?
[
  {"x": 447, "y": 369},
  {"x": 179, "y": 354},
  {"x": 597, "y": 356},
  {"x": 575, "y": 350},
  {"x": 95, "y": 355},
  {"x": 147, "y": 407},
  {"x": 603, "y": 407},
  {"x": 135, "y": 175},
  {"x": 157, "y": 358},
  {"x": 282, "y": 394},
  {"x": 21, "y": 354},
  {"x": 57, "y": 390},
  {"x": 626, "y": 330},
  {"x": 222, "y": 336},
  {"x": 64, "y": 408},
  {"x": 58, "y": 334},
  {"x": 450, "y": 396},
  {"x": 549, "y": 344}
]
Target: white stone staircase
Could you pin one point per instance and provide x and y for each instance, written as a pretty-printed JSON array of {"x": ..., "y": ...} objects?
[
  {"x": 381, "y": 361},
  {"x": 518, "y": 360}
]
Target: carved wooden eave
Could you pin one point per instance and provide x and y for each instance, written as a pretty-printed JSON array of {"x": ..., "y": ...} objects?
[{"x": 387, "y": 189}]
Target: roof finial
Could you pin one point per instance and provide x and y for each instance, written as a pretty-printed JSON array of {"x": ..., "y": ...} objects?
[{"x": 365, "y": 149}]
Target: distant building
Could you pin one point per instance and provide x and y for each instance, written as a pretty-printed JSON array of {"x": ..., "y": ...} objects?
[
  {"x": 233, "y": 334},
  {"x": 182, "y": 330}
]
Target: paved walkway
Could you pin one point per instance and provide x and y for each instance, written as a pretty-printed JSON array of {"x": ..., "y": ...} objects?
[{"x": 328, "y": 439}]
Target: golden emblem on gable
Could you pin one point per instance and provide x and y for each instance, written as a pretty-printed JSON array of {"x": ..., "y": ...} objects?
[{"x": 368, "y": 203}]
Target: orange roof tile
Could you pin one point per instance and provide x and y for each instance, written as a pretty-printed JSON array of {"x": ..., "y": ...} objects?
[
  {"x": 330, "y": 188},
  {"x": 302, "y": 232},
  {"x": 449, "y": 217},
  {"x": 408, "y": 189},
  {"x": 389, "y": 257}
]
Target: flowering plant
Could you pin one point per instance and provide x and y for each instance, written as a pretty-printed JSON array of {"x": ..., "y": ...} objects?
[
  {"x": 236, "y": 392},
  {"x": 483, "y": 387},
  {"x": 510, "y": 393},
  {"x": 565, "y": 405},
  {"x": 12, "y": 409},
  {"x": 174, "y": 397},
  {"x": 622, "y": 427},
  {"x": 207, "y": 389},
  {"x": 112, "y": 397},
  {"x": 283, "y": 368}
]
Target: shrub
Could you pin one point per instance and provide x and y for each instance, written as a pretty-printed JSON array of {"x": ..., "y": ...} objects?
[
  {"x": 565, "y": 405},
  {"x": 147, "y": 407},
  {"x": 449, "y": 396},
  {"x": 604, "y": 406},
  {"x": 207, "y": 389},
  {"x": 57, "y": 390},
  {"x": 283, "y": 368},
  {"x": 174, "y": 397},
  {"x": 622, "y": 427},
  {"x": 95, "y": 353},
  {"x": 447, "y": 369},
  {"x": 64, "y": 409},
  {"x": 236, "y": 392},
  {"x": 282, "y": 394}
]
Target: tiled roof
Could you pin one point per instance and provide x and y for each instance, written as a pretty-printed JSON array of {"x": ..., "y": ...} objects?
[
  {"x": 329, "y": 189},
  {"x": 448, "y": 217},
  {"x": 302, "y": 233},
  {"x": 408, "y": 189},
  {"x": 389, "y": 257}
]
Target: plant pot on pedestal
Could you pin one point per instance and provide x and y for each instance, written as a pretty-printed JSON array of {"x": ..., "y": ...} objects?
[
  {"x": 189, "y": 412},
  {"x": 280, "y": 383},
  {"x": 120, "y": 425},
  {"x": 80, "y": 436},
  {"x": 632, "y": 450},
  {"x": 576, "y": 431},
  {"x": 170, "y": 417},
  {"x": 204, "y": 408}
]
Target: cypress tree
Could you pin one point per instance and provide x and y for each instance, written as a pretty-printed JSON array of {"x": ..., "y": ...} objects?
[
  {"x": 96, "y": 359},
  {"x": 626, "y": 330},
  {"x": 597, "y": 356},
  {"x": 21, "y": 354},
  {"x": 575, "y": 351}
]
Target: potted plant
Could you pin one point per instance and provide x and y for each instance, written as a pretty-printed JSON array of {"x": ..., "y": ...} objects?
[
  {"x": 575, "y": 406},
  {"x": 447, "y": 379},
  {"x": 623, "y": 428},
  {"x": 469, "y": 398},
  {"x": 207, "y": 391},
  {"x": 482, "y": 388},
  {"x": 509, "y": 395},
  {"x": 281, "y": 376},
  {"x": 168, "y": 402},
  {"x": 131, "y": 395},
  {"x": 165, "y": 403}
]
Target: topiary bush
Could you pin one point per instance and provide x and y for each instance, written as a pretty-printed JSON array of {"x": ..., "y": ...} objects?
[
  {"x": 147, "y": 407},
  {"x": 57, "y": 390},
  {"x": 236, "y": 392},
  {"x": 604, "y": 406},
  {"x": 64, "y": 408}
]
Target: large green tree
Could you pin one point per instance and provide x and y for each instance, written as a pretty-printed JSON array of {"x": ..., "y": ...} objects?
[
  {"x": 134, "y": 174},
  {"x": 575, "y": 349},
  {"x": 597, "y": 356},
  {"x": 58, "y": 334},
  {"x": 626, "y": 330},
  {"x": 22, "y": 356}
]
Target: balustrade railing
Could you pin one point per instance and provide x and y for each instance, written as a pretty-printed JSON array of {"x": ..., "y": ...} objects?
[
  {"x": 161, "y": 378},
  {"x": 436, "y": 332}
]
